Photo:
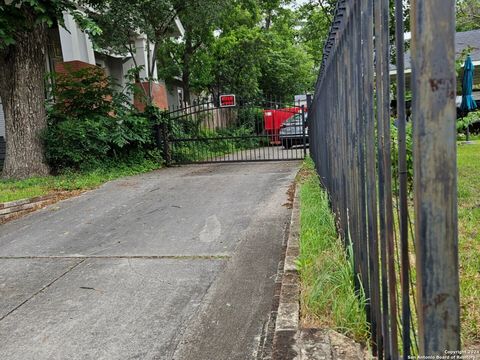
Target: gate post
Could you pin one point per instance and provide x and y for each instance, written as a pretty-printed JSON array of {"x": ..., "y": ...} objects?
[
  {"x": 434, "y": 114},
  {"x": 161, "y": 137},
  {"x": 304, "y": 125},
  {"x": 166, "y": 145}
]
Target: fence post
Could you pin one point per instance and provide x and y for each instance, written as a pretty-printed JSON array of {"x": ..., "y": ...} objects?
[
  {"x": 434, "y": 114},
  {"x": 304, "y": 135},
  {"x": 162, "y": 133}
]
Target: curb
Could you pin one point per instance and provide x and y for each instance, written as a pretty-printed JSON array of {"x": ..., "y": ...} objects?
[
  {"x": 290, "y": 340},
  {"x": 12, "y": 210},
  {"x": 287, "y": 322}
]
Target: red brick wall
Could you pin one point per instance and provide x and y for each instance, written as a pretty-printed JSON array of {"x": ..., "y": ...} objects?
[
  {"x": 159, "y": 95},
  {"x": 75, "y": 65}
]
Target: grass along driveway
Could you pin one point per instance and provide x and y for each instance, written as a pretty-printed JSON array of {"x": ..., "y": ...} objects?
[
  {"x": 11, "y": 190},
  {"x": 321, "y": 256}
]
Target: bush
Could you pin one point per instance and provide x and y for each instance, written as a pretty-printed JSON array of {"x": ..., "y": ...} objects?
[
  {"x": 85, "y": 143},
  {"x": 91, "y": 124},
  {"x": 251, "y": 118}
]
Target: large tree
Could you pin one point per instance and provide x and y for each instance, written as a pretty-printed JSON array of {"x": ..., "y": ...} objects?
[
  {"x": 181, "y": 59},
  {"x": 287, "y": 67},
  {"x": 23, "y": 46},
  {"x": 23, "y": 35}
]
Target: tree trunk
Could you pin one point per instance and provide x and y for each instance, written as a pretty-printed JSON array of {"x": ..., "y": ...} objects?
[
  {"x": 22, "y": 90},
  {"x": 187, "y": 56},
  {"x": 186, "y": 85}
]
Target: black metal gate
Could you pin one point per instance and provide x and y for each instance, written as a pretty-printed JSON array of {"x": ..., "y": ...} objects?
[{"x": 238, "y": 131}]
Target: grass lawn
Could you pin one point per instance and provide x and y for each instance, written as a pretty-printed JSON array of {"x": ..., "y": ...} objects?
[
  {"x": 469, "y": 240},
  {"x": 11, "y": 190},
  {"x": 328, "y": 298}
]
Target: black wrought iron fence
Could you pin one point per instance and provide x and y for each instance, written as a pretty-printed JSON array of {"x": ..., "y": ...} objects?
[
  {"x": 406, "y": 265},
  {"x": 246, "y": 130}
]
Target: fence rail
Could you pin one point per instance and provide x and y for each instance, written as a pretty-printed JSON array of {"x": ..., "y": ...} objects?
[{"x": 413, "y": 306}]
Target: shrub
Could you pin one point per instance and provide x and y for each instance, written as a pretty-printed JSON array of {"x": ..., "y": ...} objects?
[
  {"x": 91, "y": 124},
  {"x": 74, "y": 143},
  {"x": 251, "y": 118},
  {"x": 83, "y": 93}
]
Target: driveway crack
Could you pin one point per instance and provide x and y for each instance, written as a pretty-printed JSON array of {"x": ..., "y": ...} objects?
[{"x": 43, "y": 288}]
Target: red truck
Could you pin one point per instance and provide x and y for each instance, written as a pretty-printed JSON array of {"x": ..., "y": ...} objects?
[{"x": 273, "y": 120}]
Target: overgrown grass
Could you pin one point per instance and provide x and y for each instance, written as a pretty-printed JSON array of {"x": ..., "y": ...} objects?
[
  {"x": 469, "y": 241},
  {"x": 11, "y": 190},
  {"x": 320, "y": 249},
  {"x": 328, "y": 297}
]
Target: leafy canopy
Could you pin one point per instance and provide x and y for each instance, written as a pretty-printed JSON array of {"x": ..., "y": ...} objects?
[{"x": 24, "y": 15}]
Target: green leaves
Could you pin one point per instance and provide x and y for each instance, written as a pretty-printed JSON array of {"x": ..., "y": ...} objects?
[
  {"x": 468, "y": 15},
  {"x": 90, "y": 123},
  {"x": 24, "y": 15}
]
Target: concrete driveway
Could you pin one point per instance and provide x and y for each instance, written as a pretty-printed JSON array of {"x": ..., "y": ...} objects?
[{"x": 176, "y": 264}]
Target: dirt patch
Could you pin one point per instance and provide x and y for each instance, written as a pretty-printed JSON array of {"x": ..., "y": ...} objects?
[
  {"x": 304, "y": 173},
  {"x": 128, "y": 184},
  {"x": 291, "y": 195}
]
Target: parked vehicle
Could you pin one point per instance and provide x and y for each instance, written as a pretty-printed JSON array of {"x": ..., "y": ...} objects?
[
  {"x": 291, "y": 131},
  {"x": 273, "y": 120}
]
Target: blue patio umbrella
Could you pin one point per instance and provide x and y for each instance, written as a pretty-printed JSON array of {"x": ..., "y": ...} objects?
[{"x": 468, "y": 103}]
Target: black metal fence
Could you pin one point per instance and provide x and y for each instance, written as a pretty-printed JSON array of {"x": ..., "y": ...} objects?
[
  {"x": 253, "y": 130},
  {"x": 406, "y": 265}
]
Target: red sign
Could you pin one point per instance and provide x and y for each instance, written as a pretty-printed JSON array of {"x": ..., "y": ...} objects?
[{"x": 227, "y": 101}]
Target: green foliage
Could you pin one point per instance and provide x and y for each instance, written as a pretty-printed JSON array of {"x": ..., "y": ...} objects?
[
  {"x": 467, "y": 120},
  {"x": 247, "y": 47},
  {"x": 90, "y": 123},
  {"x": 460, "y": 59},
  {"x": 469, "y": 241},
  {"x": 468, "y": 15},
  {"x": 84, "y": 93},
  {"x": 89, "y": 142},
  {"x": 328, "y": 297},
  {"x": 251, "y": 118},
  {"x": 25, "y": 15},
  {"x": 317, "y": 18},
  {"x": 201, "y": 142},
  {"x": 209, "y": 144},
  {"x": 69, "y": 180},
  {"x": 237, "y": 62},
  {"x": 287, "y": 69}
]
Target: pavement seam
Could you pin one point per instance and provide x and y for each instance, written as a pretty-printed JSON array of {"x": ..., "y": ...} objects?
[
  {"x": 42, "y": 289},
  {"x": 141, "y": 257}
]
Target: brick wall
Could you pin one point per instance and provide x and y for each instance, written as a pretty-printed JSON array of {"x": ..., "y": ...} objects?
[
  {"x": 64, "y": 67},
  {"x": 159, "y": 95}
]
